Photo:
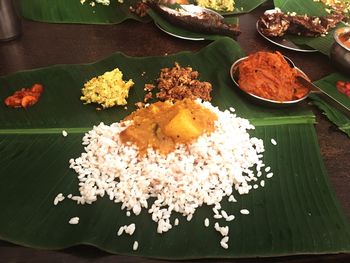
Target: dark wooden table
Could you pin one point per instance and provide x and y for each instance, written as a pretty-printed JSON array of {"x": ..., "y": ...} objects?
[{"x": 43, "y": 44}]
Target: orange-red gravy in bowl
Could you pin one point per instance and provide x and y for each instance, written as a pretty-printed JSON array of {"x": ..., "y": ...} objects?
[{"x": 269, "y": 75}]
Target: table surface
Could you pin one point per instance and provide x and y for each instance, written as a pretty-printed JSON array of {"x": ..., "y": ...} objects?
[{"x": 43, "y": 44}]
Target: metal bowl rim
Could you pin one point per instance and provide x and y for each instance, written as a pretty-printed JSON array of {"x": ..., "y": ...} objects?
[
  {"x": 337, "y": 34},
  {"x": 274, "y": 102},
  {"x": 207, "y": 10}
]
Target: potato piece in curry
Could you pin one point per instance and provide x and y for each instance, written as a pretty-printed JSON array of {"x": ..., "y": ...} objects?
[{"x": 163, "y": 125}]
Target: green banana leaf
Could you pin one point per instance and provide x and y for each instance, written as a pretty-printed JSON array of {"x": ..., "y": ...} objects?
[
  {"x": 72, "y": 11},
  {"x": 308, "y": 7},
  {"x": 295, "y": 213},
  {"x": 213, "y": 63},
  {"x": 243, "y": 6},
  {"x": 323, "y": 43},
  {"x": 240, "y": 6},
  {"x": 328, "y": 84}
]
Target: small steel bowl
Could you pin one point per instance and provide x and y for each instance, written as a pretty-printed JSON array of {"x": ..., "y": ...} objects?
[
  {"x": 340, "y": 52},
  {"x": 234, "y": 72}
]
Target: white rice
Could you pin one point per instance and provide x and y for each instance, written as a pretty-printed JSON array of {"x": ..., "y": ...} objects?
[
  {"x": 206, "y": 222},
  {"x": 273, "y": 141},
  {"x": 232, "y": 199},
  {"x": 269, "y": 175},
  {"x": 225, "y": 239},
  {"x": 217, "y": 216},
  {"x": 212, "y": 167},
  {"x": 224, "y": 214},
  {"x": 58, "y": 198},
  {"x": 224, "y": 230},
  {"x": 230, "y": 218},
  {"x": 189, "y": 217},
  {"x": 262, "y": 183},
  {"x": 121, "y": 230},
  {"x": 74, "y": 220},
  {"x": 64, "y": 133},
  {"x": 130, "y": 229},
  {"x": 176, "y": 222},
  {"x": 244, "y": 211},
  {"x": 217, "y": 206},
  {"x": 135, "y": 245},
  {"x": 224, "y": 245}
]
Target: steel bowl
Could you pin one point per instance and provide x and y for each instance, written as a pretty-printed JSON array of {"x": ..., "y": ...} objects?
[
  {"x": 234, "y": 72},
  {"x": 340, "y": 52}
]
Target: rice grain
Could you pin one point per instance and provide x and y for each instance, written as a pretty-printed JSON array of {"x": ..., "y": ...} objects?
[
  {"x": 273, "y": 141},
  {"x": 244, "y": 211},
  {"x": 135, "y": 246},
  {"x": 74, "y": 220}
]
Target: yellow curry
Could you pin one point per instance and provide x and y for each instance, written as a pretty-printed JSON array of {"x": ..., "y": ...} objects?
[{"x": 163, "y": 125}]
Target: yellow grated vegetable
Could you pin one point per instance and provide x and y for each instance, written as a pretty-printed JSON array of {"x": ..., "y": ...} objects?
[
  {"x": 108, "y": 89},
  {"x": 219, "y": 5}
]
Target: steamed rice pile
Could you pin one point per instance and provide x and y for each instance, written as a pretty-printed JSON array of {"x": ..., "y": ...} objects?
[{"x": 212, "y": 167}]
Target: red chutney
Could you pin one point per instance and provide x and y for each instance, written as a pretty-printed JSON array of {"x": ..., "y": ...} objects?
[
  {"x": 25, "y": 97},
  {"x": 343, "y": 87},
  {"x": 345, "y": 39},
  {"x": 268, "y": 75}
]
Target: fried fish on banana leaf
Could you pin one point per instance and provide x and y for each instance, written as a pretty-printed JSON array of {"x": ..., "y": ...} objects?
[
  {"x": 196, "y": 19},
  {"x": 276, "y": 23}
]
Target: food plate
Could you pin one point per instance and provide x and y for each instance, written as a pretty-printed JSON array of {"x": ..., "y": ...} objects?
[
  {"x": 181, "y": 36},
  {"x": 302, "y": 79},
  {"x": 282, "y": 42},
  {"x": 180, "y": 32}
]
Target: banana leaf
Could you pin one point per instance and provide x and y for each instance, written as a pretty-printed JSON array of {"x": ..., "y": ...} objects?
[
  {"x": 240, "y": 6},
  {"x": 328, "y": 84},
  {"x": 243, "y": 6},
  {"x": 72, "y": 11},
  {"x": 213, "y": 63},
  {"x": 295, "y": 213},
  {"x": 323, "y": 43},
  {"x": 309, "y": 7}
]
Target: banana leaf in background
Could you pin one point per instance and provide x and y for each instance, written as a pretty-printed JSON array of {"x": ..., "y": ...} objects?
[
  {"x": 240, "y": 6},
  {"x": 324, "y": 43},
  {"x": 72, "y": 11},
  {"x": 295, "y": 213},
  {"x": 244, "y": 6},
  {"x": 328, "y": 84},
  {"x": 308, "y": 7}
]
